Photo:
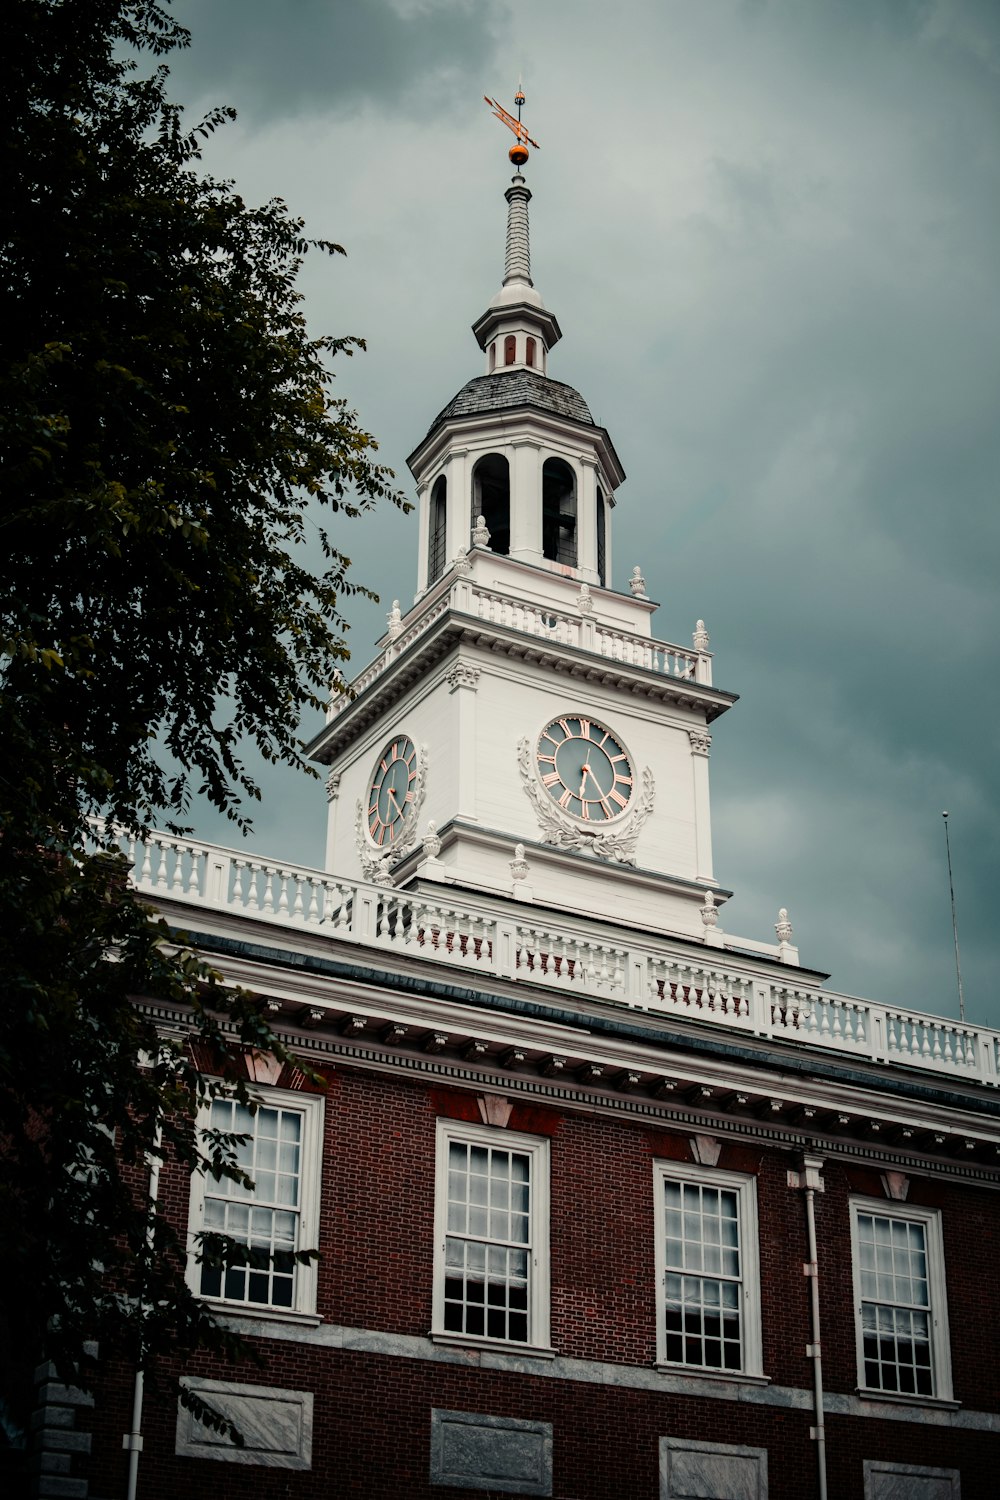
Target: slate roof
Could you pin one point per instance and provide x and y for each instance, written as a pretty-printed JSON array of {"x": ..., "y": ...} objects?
[{"x": 505, "y": 390}]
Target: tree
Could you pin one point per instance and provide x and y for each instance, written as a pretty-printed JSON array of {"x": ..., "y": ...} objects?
[{"x": 168, "y": 434}]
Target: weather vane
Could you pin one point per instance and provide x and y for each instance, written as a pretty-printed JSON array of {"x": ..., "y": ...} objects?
[{"x": 518, "y": 153}]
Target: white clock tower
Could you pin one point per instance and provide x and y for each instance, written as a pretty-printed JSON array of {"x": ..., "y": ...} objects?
[{"x": 522, "y": 734}]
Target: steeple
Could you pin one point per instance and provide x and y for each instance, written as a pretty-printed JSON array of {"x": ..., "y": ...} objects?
[
  {"x": 517, "y": 266},
  {"x": 516, "y": 331},
  {"x": 515, "y": 465}
]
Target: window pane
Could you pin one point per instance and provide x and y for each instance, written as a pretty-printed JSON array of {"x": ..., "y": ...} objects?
[
  {"x": 895, "y": 1324},
  {"x": 702, "y": 1285},
  {"x": 251, "y": 1217},
  {"x": 488, "y": 1215}
]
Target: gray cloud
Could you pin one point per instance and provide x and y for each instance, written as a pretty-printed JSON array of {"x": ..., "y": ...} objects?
[
  {"x": 279, "y": 60},
  {"x": 770, "y": 232}
]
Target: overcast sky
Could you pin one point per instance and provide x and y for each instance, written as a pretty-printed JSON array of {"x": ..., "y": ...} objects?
[{"x": 770, "y": 230}]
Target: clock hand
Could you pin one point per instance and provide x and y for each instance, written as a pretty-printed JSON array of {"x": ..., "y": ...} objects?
[{"x": 392, "y": 795}]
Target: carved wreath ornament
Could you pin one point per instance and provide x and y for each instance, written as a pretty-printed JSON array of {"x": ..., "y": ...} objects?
[{"x": 564, "y": 832}]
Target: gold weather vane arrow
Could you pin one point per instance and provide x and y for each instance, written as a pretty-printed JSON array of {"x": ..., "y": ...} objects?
[{"x": 519, "y": 152}]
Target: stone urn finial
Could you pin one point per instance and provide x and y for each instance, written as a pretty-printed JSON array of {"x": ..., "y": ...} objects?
[
  {"x": 637, "y": 583},
  {"x": 783, "y": 926},
  {"x": 480, "y": 533},
  {"x": 700, "y": 637},
  {"x": 395, "y": 621}
]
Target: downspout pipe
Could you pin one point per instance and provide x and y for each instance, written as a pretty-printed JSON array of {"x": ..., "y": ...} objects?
[
  {"x": 132, "y": 1441},
  {"x": 810, "y": 1182}
]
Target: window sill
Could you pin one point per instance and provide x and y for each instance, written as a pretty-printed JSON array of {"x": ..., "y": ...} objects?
[
  {"x": 939, "y": 1403},
  {"x": 496, "y": 1346},
  {"x": 241, "y": 1311},
  {"x": 730, "y": 1377}
]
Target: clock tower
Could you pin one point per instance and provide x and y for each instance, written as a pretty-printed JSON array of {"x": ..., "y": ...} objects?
[{"x": 522, "y": 733}]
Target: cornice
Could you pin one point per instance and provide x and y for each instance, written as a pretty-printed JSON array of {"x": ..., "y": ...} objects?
[
  {"x": 455, "y": 629},
  {"x": 595, "y": 1058},
  {"x": 674, "y": 1113},
  {"x": 525, "y": 418}
]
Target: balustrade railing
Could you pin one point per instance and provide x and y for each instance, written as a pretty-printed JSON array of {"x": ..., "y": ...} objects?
[
  {"x": 529, "y": 618},
  {"x": 571, "y": 956}
]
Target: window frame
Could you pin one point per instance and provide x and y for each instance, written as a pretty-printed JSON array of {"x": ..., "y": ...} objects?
[
  {"x": 464, "y": 1132},
  {"x": 940, "y": 1340},
  {"x": 745, "y": 1187},
  {"x": 311, "y": 1108}
]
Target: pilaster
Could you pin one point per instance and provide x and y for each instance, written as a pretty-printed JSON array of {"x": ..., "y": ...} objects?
[
  {"x": 463, "y": 685},
  {"x": 586, "y": 522},
  {"x": 701, "y": 741},
  {"x": 423, "y": 535},
  {"x": 459, "y": 502},
  {"x": 525, "y": 500}
]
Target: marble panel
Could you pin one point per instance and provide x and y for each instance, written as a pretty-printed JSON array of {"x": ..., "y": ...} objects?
[
  {"x": 696, "y": 1470},
  {"x": 885, "y": 1480},
  {"x": 276, "y": 1425},
  {"x": 473, "y": 1451}
]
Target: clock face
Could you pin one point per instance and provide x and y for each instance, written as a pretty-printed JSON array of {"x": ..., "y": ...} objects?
[
  {"x": 584, "y": 768},
  {"x": 390, "y": 791}
]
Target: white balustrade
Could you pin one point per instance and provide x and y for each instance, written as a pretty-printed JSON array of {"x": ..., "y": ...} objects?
[
  {"x": 575, "y": 956},
  {"x": 512, "y": 612}
]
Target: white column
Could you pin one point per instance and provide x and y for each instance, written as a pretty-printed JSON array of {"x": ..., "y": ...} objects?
[
  {"x": 423, "y": 536},
  {"x": 700, "y": 742},
  {"x": 525, "y": 500},
  {"x": 459, "y": 472},
  {"x": 609, "y": 505},
  {"x": 586, "y": 522}
]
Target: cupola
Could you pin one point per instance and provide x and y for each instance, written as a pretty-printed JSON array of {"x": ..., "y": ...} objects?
[{"x": 515, "y": 461}]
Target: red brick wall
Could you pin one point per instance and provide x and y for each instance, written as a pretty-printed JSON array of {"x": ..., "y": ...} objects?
[{"x": 372, "y": 1417}]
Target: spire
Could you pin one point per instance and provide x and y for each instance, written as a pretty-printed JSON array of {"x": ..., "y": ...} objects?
[
  {"x": 517, "y": 263},
  {"x": 516, "y": 331}
]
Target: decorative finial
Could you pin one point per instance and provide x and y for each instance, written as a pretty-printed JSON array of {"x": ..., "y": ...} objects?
[
  {"x": 431, "y": 842},
  {"x": 461, "y": 562},
  {"x": 518, "y": 153},
  {"x": 700, "y": 637},
  {"x": 480, "y": 533},
  {"x": 783, "y": 927},
  {"x": 395, "y": 620},
  {"x": 584, "y": 599},
  {"x": 709, "y": 915},
  {"x": 519, "y": 865},
  {"x": 637, "y": 584}
]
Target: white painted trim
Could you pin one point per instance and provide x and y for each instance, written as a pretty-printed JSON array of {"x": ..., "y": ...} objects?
[
  {"x": 930, "y": 1218},
  {"x": 745, "y": 1188},
  {"x": 312, "y": 1109},
  {"x": 537, "y": 1148}
]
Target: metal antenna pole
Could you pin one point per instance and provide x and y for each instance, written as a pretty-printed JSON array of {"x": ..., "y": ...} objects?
[{"x": 954, "y": 923}]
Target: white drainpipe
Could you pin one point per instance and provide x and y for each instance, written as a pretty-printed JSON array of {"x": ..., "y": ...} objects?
[
  {"x": 810, "y": 1181},
  {"x": 132, "y": 1441}
]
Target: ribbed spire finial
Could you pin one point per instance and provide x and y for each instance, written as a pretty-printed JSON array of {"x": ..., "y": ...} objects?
[{"x": 517, "y": 261}]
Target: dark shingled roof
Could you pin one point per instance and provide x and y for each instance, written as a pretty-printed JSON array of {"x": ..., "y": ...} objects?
[{"x": 505, "y": 390}]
